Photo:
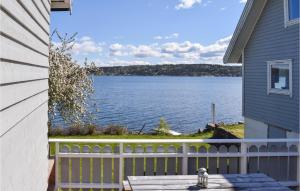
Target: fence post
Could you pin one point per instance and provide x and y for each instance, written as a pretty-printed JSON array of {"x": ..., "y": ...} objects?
[
  {"x": 56, "y": 164},
  {"x": 184, "y": 159},
  {"x": 213, "y": 113},
  {"x": 121, "y": 167},
  {"x": 243, "y": 159}
]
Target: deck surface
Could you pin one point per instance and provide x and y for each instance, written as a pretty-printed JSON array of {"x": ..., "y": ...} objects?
[{"x": 229, "y": 182}]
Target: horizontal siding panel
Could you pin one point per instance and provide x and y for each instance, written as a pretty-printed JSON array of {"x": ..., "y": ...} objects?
[
  {"x": 275, "y": 109},
  {"x": 47, "y": 6},
  {"x": 12, "y": 72},
  {"x": 28, "y": 4},
  {"x": 15, "y": 9},
  {"x": 13, "y": 51},
  {"x": 42, "y": 10},
  {"x": 25, "y": 149},
  {"x": 271, "y": 41},
  {"x": 277, "y": 47},
  {"x": 18, "y": 112},
  {"x": 21, "y": 34},
  {"x": 15, "y": 93}
]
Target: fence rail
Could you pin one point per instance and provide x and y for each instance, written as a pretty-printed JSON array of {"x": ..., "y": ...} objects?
[{"x": 103, "y": 164}]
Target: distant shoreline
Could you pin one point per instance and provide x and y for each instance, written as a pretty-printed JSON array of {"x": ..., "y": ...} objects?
[{"x": 186, "y": 70}]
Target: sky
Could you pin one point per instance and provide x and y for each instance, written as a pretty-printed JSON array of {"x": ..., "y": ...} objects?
[{"x": 139, "y": 32}]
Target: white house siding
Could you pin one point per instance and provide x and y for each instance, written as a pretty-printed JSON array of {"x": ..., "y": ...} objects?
[{"x": 24, "y": 40}]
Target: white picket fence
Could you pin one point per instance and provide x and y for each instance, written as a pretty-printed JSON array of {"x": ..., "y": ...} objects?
[{"x": 103, "y": 164}]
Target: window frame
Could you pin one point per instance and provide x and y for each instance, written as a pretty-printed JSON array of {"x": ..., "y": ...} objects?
[
  {"x": 287, "y": 21},
  {"x": 271, "y": 90}
]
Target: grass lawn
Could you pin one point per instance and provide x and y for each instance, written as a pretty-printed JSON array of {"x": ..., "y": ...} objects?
[{"x": 236, "y": 129}]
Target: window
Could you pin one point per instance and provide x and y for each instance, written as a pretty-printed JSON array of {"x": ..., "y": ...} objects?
[
  {"x": 280, "y": 77},
  {"x": 291, "y": 12}
]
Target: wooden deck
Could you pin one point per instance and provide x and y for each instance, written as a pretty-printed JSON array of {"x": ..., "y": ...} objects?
[{"x": 232, "y": 182}]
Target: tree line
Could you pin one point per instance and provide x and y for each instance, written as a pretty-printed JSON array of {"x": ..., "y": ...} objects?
[{"x": 170, "y": 70}]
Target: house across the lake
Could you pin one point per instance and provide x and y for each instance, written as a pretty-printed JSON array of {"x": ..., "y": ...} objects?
[{"x": 266, "y": 42}]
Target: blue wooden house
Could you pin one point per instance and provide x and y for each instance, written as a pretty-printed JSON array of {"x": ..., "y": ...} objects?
[{"x": 266, "y": 42}]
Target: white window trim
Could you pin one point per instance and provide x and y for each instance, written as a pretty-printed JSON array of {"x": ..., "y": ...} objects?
[
  {"x": 287, "y": 21},
  {"x": 278, "y": 91}
]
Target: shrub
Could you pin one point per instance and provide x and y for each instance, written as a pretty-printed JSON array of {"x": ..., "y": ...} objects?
[
  {"x": 163, "y": 127},
  {"x": 115, "y": 130},
  {"x": 56, "y": 131},
  {"x": 87, "y": 129},
  {"x": 91, "y": 129}
]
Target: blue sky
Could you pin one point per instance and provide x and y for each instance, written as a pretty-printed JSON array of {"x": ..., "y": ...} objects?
[{"x": 130, "y": 32}]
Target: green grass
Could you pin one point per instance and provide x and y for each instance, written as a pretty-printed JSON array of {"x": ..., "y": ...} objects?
[{"x": 237, "y": 130}]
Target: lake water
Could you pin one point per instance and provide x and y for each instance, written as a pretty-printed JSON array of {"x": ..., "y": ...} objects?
[{"x": 185, "y": 102}]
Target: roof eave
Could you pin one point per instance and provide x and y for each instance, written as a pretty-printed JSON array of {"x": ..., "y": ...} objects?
[
  {"x": 61, "y": 5},
  {"x": 243, "y": 31}
]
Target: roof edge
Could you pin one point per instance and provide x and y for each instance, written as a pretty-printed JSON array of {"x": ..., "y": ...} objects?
[
  {"x": 237, "y": 32},
  {"x": 61, "y": 5}
]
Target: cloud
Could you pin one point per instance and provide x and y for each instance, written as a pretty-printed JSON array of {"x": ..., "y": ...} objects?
[
  {"x": 158, "y": 38},
  {"x": 172, "y": 36},
  {"x": 144, "y": 51},
  {"x": 86, "y": 45},
  {"x": 173, "y": 52},
  {"x": 116, "y": 50},
  {"x": 243, "y": 1},
  {"x": 117, "y": 62},
  {"x": 189, "y": 52},
  {"x": 187, "y": 4},
  {"x": 205, "y": 4},
  {"x": 168, "y": 37}
]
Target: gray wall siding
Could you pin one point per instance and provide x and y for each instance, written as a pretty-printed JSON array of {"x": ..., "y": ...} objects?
[
  {"x": 24, "y": 41},
  {"x": 271, "y": 41}
]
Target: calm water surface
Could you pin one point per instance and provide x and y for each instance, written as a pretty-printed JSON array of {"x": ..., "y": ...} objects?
[{"x": 185, "y": 102}]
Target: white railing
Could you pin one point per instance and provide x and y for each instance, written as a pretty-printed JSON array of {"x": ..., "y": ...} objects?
[{"x": 104, "y": 164}]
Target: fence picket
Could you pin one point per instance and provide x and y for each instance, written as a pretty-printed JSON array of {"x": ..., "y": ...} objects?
[
  {"x": 96, "y": 167},
  {"x": 75, "y": 162},
  {"x": 263, "y": 161},
  {"x": 274, "y": 162},
  {"x": 192, "y": 161},
  {"x": 212, "y": 161},
  {"x": 107, "y": 167},
  {"x": 293, "y": 164},
  {"x": 253, "y": 161},
  {"x": 283, "y": 164},
  {"x": 116, "y": 166},
  {"x": 233, "y": 161},
  {"x": 160, "y": 162},
  {"x": 65, "y": 166},
  {"x": 86, "y": 167},
  {"x": 202, "y": 161},
  {"x": 179, "y": 161},
  {"x": 171, "y": 161},
  {"x": 128, "y": 163},
  {"x": 149, "y": 162},
  {"x": 223, "y": 160},
  {"x": 139, "y": 162}
]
